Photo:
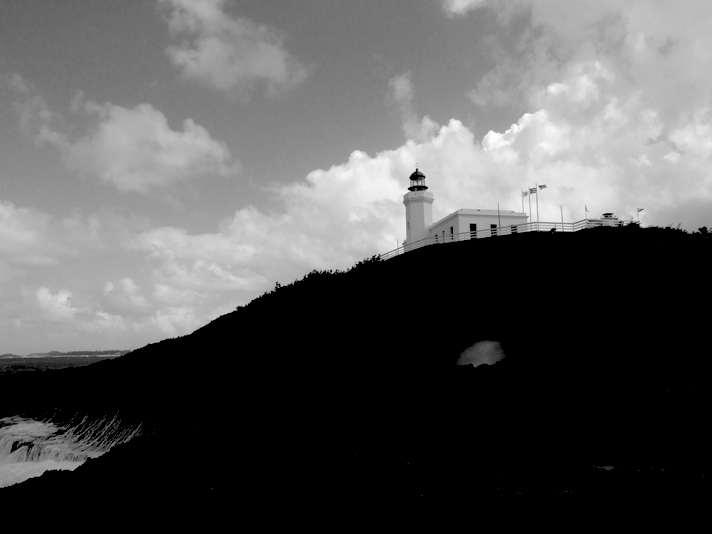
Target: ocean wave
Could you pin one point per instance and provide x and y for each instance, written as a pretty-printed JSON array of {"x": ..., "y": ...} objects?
[{"x": 31, "y": 446}]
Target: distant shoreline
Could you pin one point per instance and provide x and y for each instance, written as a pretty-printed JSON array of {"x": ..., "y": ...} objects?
[
  {"x": 40, "y": 356},
  {"x": 32, "y": 363},
  {"x": 77, "y": 354}
]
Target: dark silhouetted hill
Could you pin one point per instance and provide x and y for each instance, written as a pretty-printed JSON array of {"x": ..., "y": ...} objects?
[{"x": 342, "y": 388}]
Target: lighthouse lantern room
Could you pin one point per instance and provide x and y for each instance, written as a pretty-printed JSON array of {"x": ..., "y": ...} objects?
[{"x": 417, "y": 181}]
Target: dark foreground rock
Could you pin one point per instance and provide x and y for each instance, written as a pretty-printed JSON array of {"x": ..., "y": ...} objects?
[{"x": 341, "y": 391}]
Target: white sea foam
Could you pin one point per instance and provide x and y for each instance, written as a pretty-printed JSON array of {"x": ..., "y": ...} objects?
[{"x": 30, "y": 447}]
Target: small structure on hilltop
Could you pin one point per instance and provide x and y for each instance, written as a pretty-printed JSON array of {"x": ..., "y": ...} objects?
[
  {"x": 419, "y": 217},
  {"x": 607, "y": 219}
]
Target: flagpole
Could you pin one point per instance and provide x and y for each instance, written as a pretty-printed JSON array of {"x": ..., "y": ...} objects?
[
  {"x": 530, "y": 210},
  {"x": 536, "y": 190},
  {"x": 499, "y": 221},
  {"x": 562, "y": 217},
  {"x": 522, "y": 195}
]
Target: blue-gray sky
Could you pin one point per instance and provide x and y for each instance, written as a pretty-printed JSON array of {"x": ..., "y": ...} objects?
[{"x": 163, "y": 161}]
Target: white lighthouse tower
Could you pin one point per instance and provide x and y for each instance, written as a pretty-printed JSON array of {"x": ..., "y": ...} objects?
[{"x": 418, "y": 210}]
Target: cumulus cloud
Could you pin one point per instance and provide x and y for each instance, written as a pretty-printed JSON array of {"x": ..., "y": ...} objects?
[
  {"x": 58, "y": 307},
  {"x": 107, "y": 323},
  {"x": 400, "y": 93},
  {"x": 29, "y": 237},
  {"x": 125, "y": 296},
  {"x": 136, "y": 150},
  {"x": 619, "y": 96},
  {"x": 33, "y": 244},
  {"x": 661, "y": 48},
  {"x": 31, "y": 241},
  {"x": 23, "y": 236},
  {"x": 131, "y": 149},
  {"x": 176, "y": 319},
  {"x": 228, "y": 53},
  {"x": 460, "y": 7},
  {"x": 188, "y": 263},
  {"x": 172, "y": 295},
  {"x": 133, "y": 314}
]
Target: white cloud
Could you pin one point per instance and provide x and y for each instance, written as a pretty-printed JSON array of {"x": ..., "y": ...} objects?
[
  {"x": 171, "y": 295},
  {"x": 125, "y": 296},
  {"x": 57, "y": 307},
  {"x": 460, "y": 7},
  {"x": 31, "y": 240},
  {"x": 139, "y": 318},
  {"x": 136, "y": 150},
  {"x": 214, "y": 262},
  {"x": 35, "y": 245},
  {"x": 132, "y": 149},
  {"x": 35, "y": 118},
  {"x": 29, "y": 237},
  {"x": 226, "y": 52},
  {"x": 176, "y": 320},
  {"x": 618, "y": 101},
  {"x": 106, "y": 322},
  {"x": 661, "y": 48},
  {"x": 400, "y": 92},
  {"x": 22, "y": 236}
]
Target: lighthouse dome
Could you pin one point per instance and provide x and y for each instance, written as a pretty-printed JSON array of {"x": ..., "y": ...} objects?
[{"x": 417, "y": 175}]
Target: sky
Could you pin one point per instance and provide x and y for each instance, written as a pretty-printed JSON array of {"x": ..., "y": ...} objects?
[{"x": 165, "y": 161}]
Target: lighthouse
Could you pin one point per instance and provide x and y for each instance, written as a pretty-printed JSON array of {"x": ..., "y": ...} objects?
[
  {"x": 459, "y": 225},
  {"x": 418, "y": 209}
]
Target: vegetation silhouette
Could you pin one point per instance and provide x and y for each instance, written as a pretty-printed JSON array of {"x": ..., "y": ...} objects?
[{"x": 343, "y": 387}]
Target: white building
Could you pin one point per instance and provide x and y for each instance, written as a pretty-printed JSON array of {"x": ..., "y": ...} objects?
[
  {"x": 419, "y": 217},
  {"x": 607, "y": 219}
]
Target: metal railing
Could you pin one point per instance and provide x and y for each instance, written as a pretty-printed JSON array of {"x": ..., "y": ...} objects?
[{"x": 504, "y": 230}]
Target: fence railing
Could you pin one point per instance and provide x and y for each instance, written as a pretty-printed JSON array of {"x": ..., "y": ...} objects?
[{"x": 504, "y": 230}]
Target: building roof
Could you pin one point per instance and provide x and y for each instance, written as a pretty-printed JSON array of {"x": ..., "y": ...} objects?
[
  {"x": 466, "y": 211},
  {"x": 493, "y": 213}
]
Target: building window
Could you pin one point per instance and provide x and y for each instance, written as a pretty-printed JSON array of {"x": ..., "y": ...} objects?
[
  {"x": 452, "y": 234},
  {"x": 493, "y": 229},
  {"x": 473, "y": 231}
]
